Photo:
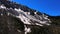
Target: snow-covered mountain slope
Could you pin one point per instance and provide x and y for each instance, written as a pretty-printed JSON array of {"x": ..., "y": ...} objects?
[{"x": 27, "y": 19}]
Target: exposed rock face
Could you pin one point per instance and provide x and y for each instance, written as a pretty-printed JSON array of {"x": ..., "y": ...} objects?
[{"x": 19, "y": 19}]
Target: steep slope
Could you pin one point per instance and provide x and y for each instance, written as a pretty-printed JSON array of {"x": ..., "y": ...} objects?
[{"x": 19, "y": 19}]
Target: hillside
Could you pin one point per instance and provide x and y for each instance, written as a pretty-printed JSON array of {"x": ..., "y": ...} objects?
[{"x": 19, "y": 19}]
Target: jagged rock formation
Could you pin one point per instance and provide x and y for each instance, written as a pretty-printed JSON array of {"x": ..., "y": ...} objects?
[{"x": 19, "y": 19}]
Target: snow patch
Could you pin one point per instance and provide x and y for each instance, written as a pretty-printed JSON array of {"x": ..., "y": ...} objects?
[
  {"x": 27, "y": 30},
  {"x": 2, "y": 6}
]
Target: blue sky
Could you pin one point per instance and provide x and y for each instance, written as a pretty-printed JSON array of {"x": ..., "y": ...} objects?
[{"x": 51, "y": 7}]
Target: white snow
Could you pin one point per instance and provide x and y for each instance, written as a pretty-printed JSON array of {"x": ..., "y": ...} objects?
[
  {"x": 27, "y": 30},
  {"x": 28, "y": 13},
  {"x": 18, "y": 10},
  {"x": 26, "y": 17},
  {"x": 35, "y": 12},
  {"x": 45, "y": 18},
  {"x": 39, "y": 24},
  {"x": 2, "y": 6}
]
